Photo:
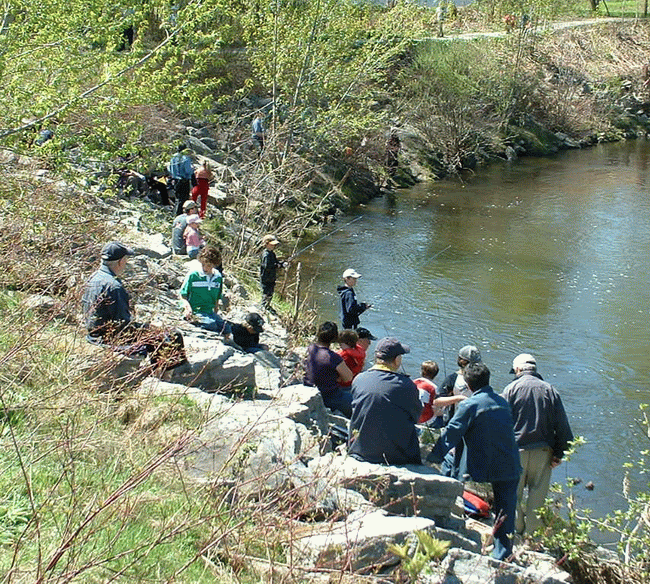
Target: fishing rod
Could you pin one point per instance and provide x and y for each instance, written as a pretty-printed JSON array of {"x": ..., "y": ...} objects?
[
  {"x": 304, "y": 249},
  {"x": 398, "y": 283}
]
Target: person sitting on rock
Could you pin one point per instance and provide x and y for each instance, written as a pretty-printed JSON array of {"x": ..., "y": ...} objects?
[
  {"x": 201, "y": 291},
  {"x": 427, "y": 390},
  {"x": 353, "y": 354},
  {"x": 108, "y": 315},
  {"x": 326, "y": 370},
  {"x": 247, "y": 334},
  {"x": 385, "y": 408},
  {"x": 365, "y": 340},
  {"x": 193, "y": 237}
]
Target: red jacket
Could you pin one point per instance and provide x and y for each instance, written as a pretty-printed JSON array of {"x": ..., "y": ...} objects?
[
  {"x": 354, "y": 359},
  {"x": 427, "y": 391}
]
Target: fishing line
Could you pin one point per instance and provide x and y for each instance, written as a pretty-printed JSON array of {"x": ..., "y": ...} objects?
[{"x": 304, "y": 249}]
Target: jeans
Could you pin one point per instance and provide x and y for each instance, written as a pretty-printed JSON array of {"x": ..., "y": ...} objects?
[
  {"x": 505, "y": 505},
  {"x": 340, "y": 400},
  {"x": 213, "y": 322}
]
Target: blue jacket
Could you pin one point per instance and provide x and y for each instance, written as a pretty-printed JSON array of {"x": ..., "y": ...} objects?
[
  {"x": 385, "y": 408},
  {"x": 105, "y": 304},
  {"x": 350, "y": 308},
  {"x": 483, "y": 422},
  {"x": 180, "y": 167}
]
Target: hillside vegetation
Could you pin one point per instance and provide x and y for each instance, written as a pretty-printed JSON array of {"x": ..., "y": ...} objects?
[{"x": 86, "y": 494}]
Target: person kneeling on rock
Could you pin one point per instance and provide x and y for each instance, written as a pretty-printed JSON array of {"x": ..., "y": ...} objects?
[{"x": 201, "y": 292}]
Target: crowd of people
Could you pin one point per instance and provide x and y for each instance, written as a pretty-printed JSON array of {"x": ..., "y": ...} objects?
[{"x": 512, "y": 440}]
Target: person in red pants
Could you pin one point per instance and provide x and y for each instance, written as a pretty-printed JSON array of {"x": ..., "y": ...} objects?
[{"x": 203, "y": 177}]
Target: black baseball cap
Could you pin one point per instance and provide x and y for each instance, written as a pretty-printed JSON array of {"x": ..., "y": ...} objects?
[{"x": 115, "y": 250}]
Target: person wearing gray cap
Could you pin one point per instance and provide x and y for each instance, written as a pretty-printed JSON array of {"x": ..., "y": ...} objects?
[
  {"x": 178, "y": 228},
  {"x": 543, "y": 434},
  {"x": 454, "y": 384},
  {"x": 105, "y": 304},
  {"x": 385, "y": 408}
]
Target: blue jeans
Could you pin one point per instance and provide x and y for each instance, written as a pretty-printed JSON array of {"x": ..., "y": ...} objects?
[
  {"x": 505, "y": 506},
  {"x": 340, "y": 400},
  {"x": 213, "y": 322}
]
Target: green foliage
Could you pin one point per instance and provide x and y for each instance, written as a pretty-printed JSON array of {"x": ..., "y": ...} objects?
[
  {"x": 567, "y": 528},
  {"x": 427, "y": 549},
  {"x": 448, "y": 87}
]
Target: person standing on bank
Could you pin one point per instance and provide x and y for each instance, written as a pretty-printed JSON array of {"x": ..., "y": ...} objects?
[
  {"x": 258, "y": 130},
  {"x": 181, "y": 171},
  {"x": 203, "y": 177},
  {"x": 385, "y": 408},
  {"x": 326, "y": 369},
  {"x": 178, "y": 228},
  {"x": 483, "y": 422},
  {"x": 268, "y": 269},
  {"x": 350, "y": 308},
  {"x": 106, "y": 307},
  {"x": 543, "y": 434}
]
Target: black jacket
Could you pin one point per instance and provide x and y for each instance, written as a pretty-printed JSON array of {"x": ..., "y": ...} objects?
[{"x": 350, "y": 308}]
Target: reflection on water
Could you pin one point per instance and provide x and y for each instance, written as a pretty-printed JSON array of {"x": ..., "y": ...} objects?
[{"x": 544, "y": 256}]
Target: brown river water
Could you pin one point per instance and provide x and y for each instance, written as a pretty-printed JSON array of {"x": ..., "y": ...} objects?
[{"x": 547, "y": 256}]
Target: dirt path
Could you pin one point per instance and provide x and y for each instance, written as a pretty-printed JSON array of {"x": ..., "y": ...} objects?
[{"x": 537, "y": 30}]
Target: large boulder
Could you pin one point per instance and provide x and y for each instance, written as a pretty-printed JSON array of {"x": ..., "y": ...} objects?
[
  {"x": 405, "y": 490},
  {"x": 253, "y": 444},
  {"x": 465, "y": 567},
  {"x": 361, "y": 542},
  {"x": 214, "y": 366}
]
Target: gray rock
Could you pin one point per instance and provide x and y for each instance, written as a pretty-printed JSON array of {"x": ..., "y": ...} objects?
[
  {"x": 250, "y": 443},
  {"x": 312, "y": 402},
  {"x": 359, "y": 544},
  {"x": 464, "y": 567},
  {"x": 151, "y": 245},
  {"x": 198, "y": 146},
  {"x": 407, "y": 490},
  {"x": 8, "y": 157}
]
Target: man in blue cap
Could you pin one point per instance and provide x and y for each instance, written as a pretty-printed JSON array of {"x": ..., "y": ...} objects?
[
  {"x": 385, "y": 408},
  {"x": 108, "y": 315}
]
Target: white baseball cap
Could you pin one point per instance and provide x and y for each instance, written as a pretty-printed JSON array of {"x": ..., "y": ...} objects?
[{"x": 350, "y": 273}]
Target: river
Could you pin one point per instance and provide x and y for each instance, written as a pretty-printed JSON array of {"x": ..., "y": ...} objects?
[{"x": 547, "y": 256}]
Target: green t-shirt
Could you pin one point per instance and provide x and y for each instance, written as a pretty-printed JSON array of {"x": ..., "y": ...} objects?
[{"x": 202, "y": 291}]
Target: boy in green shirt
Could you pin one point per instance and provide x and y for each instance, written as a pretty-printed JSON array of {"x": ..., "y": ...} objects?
[{"x": 201, "y": 291}]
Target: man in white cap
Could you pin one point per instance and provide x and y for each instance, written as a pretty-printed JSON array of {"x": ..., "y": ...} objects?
[
  {"x": 350, "y": 308},
  {"x": 542, "y": 432},
  {"x": 385, "y": 408}
]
